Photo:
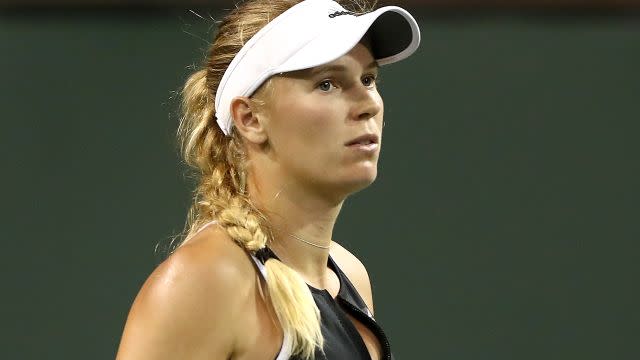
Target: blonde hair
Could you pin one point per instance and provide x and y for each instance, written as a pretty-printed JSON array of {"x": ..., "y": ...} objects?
[{"x": 219, "y": 162}]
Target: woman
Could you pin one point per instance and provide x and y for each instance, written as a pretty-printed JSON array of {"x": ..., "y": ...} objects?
[{"x": 282, "y": 123}]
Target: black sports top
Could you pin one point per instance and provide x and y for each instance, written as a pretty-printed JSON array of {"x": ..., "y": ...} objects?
[{"x": 341, "y": 338}]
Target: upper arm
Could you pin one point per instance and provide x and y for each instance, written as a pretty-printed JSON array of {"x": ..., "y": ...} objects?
[
  {"x": 184, "y": 310},
  {"x": 355, "y": 271}
]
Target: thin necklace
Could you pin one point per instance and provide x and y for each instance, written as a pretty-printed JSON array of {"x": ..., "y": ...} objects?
[{"x": 310, "y": 243}]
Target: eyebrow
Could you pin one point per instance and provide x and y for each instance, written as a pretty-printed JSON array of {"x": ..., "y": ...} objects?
[{"x": 341, "y": 68}]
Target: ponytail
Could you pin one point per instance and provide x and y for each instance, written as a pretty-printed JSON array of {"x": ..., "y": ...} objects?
[{"x": 220, "y": 195}]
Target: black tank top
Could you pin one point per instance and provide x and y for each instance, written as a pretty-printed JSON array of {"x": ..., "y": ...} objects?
[{"x": 341, "y": 338}]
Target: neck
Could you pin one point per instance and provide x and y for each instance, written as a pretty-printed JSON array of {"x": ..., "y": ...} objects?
[{"x": 295, "y": 211}]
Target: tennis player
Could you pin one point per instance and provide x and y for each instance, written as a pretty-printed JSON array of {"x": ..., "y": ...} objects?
[{"x": 282, "y": 123}]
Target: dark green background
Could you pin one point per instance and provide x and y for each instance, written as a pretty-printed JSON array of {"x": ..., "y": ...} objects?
[{"x": 503, "y": 224}]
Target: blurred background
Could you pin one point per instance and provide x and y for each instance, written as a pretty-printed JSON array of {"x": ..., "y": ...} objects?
[{"x": 503, "y": 224}]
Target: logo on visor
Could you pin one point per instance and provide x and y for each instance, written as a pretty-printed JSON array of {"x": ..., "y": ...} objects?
[{"x": 340, "y": 13}]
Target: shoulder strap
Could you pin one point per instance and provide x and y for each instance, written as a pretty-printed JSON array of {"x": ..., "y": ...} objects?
[
  {"x": 260, "y": 257},
  {"x": 348, "y": 291},
  {"x": 260, "y": 265}
]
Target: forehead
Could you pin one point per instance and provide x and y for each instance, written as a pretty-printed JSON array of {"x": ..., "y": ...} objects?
[{"x": 358, "y": 59}]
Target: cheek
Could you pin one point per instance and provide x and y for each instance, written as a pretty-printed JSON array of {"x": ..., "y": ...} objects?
[
  {"x": 310, "y": 124},
  {"x": 307, "y": 140}
]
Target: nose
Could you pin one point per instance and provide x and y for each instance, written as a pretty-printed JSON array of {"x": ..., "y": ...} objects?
[{"x": 367, "y": 103}]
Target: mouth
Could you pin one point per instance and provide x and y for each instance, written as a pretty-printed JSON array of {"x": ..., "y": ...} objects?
[{"x": 366, "y": 139}]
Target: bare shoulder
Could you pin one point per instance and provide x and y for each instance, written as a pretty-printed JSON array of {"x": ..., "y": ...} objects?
[
  {"x": 188, "y": 307},
  {"x": 355, "y": 271}
]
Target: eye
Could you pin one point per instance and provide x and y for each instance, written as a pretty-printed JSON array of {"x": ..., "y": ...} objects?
[
  {"x": 369, "y": 80},
  {"x": 325, "y": 85}
]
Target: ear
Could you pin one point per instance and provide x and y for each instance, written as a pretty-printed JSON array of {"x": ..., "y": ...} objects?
[{"x": 247, "y": 120}]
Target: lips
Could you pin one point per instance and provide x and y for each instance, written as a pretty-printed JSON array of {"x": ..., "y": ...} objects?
[{"x": 363, "y": 140}]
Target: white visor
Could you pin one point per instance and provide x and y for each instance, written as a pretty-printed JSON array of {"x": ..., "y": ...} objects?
[{"x": 309, "y": 34}]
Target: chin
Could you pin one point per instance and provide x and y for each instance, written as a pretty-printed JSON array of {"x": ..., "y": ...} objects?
[
  {"x": 360, "y": 181},
  {"x": 346, "y": 181}
]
